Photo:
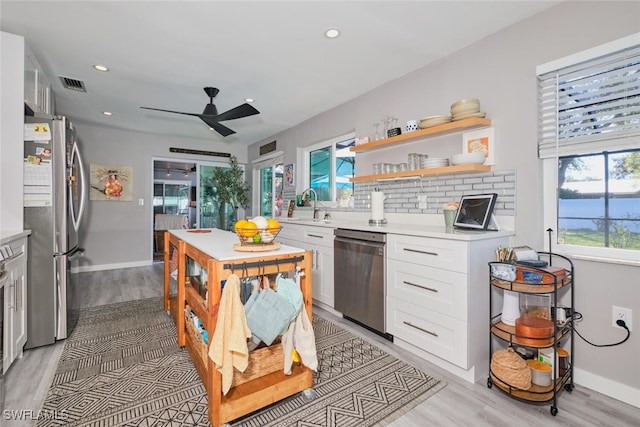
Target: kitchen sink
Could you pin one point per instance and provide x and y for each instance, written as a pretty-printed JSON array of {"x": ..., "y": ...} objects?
[{"x": 307, "y": 220}]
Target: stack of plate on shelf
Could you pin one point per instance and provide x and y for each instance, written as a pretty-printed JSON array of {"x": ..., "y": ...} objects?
[
  {"x": 427, "y": 122},
  {"x": 466, "y": 108},
  {"x": 428, "y": 163}
]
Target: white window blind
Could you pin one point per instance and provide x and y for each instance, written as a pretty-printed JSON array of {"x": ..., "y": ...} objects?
[{"x": 591, "y": 106}]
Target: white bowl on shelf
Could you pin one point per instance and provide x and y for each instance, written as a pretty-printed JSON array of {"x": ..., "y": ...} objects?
[{"x": 468, "y": 158}]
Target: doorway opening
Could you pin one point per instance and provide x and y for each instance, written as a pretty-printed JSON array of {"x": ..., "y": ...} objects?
[{"x": 184, "y": 196}]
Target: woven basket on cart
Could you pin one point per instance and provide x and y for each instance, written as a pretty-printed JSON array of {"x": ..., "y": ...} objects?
[{"x": 511, "y": 369}]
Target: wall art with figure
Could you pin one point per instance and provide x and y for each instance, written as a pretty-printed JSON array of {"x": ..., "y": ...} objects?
[
  {"x": 289, "y": 175},
  {"x": 111, "y": 183}
]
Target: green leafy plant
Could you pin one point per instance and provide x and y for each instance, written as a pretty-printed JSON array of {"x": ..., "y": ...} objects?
[{"x": 231, "y": 186}]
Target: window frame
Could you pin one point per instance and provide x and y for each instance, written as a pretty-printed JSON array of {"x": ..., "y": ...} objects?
[
  {"x": 303, "y": 157},
  {"x": 550, "y": 171},
  {"x": 268, "y": 160}
]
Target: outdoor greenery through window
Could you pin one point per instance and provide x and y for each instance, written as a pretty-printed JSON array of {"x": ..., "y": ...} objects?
[
  {"x": 330, "y": 168},
  {"x": 599, "y": 200}
]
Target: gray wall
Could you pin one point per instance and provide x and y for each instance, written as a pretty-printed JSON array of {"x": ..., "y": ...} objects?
[
  {"x": 500, "y": 71},
  {"x": 119, "y": 234}
]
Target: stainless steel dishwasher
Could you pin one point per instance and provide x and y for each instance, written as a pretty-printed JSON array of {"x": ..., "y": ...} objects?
[{"x": 359, "y": 278}]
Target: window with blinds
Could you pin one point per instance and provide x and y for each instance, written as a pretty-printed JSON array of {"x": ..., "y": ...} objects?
[
  {"x": 590, "y": 106},
  {"x": 589, "y": 139}
]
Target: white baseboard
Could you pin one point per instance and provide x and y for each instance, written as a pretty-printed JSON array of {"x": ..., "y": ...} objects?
[
  {"x": 470, "y": 375},
  {"x": 613, "y": 389},
  {"x": 111, "y": 266}
]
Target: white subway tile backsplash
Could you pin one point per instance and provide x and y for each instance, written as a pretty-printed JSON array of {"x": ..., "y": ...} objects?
[{"x": 402, "y": 195}]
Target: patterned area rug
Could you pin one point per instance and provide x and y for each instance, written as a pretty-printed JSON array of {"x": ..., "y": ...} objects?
[{"x": 121, "y": 366}]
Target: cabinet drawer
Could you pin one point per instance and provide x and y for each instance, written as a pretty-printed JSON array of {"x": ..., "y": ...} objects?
[
  {"x": 436, "y": 333},
  {"x": 289, "y": 231},
  {"x": 438, "y": 253},
  {"x": 322, "y": 236},
  {"x": 435, "y": 289}
]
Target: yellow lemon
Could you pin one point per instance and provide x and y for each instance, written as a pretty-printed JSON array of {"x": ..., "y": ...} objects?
[
  {"x": 249, "y": 229},
  {"x": 273, "y": 225},
  {"x": 295, "y": 356},
  {"x": 240, "y": 225}
]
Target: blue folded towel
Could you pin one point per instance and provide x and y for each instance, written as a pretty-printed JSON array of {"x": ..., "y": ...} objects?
[{"x": 268, "y": 314}]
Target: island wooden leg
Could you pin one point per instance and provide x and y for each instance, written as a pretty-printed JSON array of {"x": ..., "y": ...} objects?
[
  {"x": 181, "y": 292},
  {"x": 167, "y": 272}
]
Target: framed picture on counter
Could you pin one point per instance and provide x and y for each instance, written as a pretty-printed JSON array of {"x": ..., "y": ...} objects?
[{"x": 482, "y": 140}]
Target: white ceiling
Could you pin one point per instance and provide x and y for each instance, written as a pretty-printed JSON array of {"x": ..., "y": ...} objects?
[{"x": 162, "y": 54}]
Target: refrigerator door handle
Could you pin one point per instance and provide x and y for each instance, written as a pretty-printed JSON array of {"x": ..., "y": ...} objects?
[
  {"x": 76, "y": 254},
  {"x": 83, "y": 189}
]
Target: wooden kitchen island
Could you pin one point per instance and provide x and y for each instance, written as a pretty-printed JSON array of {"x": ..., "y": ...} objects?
[{"x": 263, "y": 383}]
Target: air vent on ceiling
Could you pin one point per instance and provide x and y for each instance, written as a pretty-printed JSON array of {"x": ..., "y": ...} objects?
[{"x": 73, "y": 84}]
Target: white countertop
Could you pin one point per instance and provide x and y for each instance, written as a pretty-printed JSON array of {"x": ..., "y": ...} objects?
[
  {"x": 402, "y": 228},
  {"x": 7, "y": 236},
  {"x": 219, "y": 245}
]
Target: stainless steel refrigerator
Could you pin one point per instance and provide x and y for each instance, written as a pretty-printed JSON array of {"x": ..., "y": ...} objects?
[{"x": 54, "y": 200}]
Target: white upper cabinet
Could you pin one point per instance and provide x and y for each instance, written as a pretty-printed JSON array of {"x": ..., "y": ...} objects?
[
  {"x": 37, "y": 89},
  {"x": 11, "y": 131}
]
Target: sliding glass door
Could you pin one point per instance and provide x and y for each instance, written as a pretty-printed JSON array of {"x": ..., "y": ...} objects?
[{"x": 213, "y": 213}]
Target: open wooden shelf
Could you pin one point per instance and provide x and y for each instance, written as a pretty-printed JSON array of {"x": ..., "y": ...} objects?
[
  {"x": 434, "y": 131},
  {"x": 447, "y": 170}
]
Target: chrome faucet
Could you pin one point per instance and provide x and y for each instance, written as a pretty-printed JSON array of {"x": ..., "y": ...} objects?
[{"x": 315, "y": 200}]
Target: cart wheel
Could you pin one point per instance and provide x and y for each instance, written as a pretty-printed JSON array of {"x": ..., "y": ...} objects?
[
  {"x": 554, "y": 411},
  {"x": 309, "y": 395},
  {"x": 568, "y": 387},
  {"x": 489, "y": 382}
]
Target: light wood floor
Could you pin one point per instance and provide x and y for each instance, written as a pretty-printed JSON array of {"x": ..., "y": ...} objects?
[{"x": 459, "y": 404}]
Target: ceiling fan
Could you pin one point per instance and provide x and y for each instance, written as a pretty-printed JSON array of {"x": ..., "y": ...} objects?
[{"x": 210, "y": 114}]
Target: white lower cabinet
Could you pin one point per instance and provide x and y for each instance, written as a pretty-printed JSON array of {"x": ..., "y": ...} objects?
[
  {"x": 15, "y": 302},
  {"x": 436, "y": 301},
  {"x": 318, "y": 240}
]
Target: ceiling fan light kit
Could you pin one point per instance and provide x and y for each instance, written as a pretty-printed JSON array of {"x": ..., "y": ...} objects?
[{"x": 210, "y": 113}]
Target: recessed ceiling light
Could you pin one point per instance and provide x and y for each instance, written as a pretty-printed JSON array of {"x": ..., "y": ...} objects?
[
  {"x": 332, "y": 33},
  {"x": 100, "y": 67},
  {"x": 248, "y": 100},
  {"x": 107, "y": 113}
]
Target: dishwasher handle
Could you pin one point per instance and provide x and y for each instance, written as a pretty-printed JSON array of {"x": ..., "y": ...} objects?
[{"x": 342, "y": 241}]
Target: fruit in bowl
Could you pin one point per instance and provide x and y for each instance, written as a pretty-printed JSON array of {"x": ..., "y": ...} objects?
[{"x": 257, "y": 230}]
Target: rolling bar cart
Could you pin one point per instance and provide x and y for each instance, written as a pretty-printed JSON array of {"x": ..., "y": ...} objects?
[{"x": 556, "y": 281}]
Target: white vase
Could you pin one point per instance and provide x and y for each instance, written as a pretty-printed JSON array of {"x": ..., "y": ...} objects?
[{"x": 510, "y": 307}]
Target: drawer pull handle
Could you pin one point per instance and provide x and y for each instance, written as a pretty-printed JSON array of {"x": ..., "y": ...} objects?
[
  {"x": 420, "y": 286},
  {"x": 315, "y": 235},
  {"x": 421, "y": 252},
  {"x": 420, "y": 329}
]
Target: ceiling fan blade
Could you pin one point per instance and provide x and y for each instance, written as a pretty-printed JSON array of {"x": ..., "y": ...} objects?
[
  {"x": 171, "y": 111},
  {"x": 240, "y": 111},
  {"x": 221, "y": 129}
]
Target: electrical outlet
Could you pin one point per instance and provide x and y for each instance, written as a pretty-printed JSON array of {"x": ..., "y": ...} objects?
[
  {"x": 621, "y": 313},
  {"x": 422, "y": 201}
]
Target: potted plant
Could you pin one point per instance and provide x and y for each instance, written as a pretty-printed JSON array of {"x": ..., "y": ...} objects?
[
  {"x": 344, "y": 196},
  {"x": 232, "y": 192}
]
